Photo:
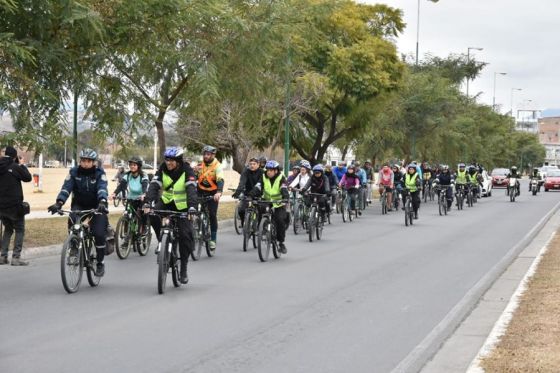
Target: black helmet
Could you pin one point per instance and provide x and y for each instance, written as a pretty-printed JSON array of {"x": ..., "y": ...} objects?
[
  {"x": 262, "y": 159},
  {"x": 88, "y": 153},
  {"x": 136, "y": 160}
]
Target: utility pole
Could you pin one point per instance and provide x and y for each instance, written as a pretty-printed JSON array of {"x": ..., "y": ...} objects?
[
  {"x": 287, "y": 117},
  {"x": 75, "y": 132}
]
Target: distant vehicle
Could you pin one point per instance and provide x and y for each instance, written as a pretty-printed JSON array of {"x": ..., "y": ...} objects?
[
  {"x": 552, "y": 180},
  {"x": 545, "y": 169},
  {"x": 486, "y": 185},
  {"x": 499, "y": 177},
  {"x": 147, "y": 166},
  {"x": 52, "y": 164}
]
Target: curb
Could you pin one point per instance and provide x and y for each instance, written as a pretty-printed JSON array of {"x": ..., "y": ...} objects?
[
  {"x": 432, "y": 343},
  {"x": 51, "y": 250}
]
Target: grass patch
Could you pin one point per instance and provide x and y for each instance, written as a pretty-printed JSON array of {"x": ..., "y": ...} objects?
[
  {"x": 532, "y": 340},
  {"x": 52, "y": 231}
]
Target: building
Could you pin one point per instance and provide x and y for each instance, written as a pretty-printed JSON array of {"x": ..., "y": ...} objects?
[
  {"x": 527, "y": 120},
  {"x": 549, "y": 136}
]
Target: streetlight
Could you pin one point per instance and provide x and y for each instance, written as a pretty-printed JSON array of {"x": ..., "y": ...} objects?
[
  {"x": 418, "y": 29},
  {"x": 512, "y": 90},
  {"x": 494, "y": 98},
  {"x": 468, "y": 60}
]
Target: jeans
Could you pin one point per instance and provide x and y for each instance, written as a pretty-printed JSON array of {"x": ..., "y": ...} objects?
[{"x": 11, "y": 224}]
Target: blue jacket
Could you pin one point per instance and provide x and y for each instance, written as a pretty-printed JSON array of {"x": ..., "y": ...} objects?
[
  {"x": 339, "y": 172},
  {"x": 87, "y": 187},
  {"x": 362, "y": 175}
]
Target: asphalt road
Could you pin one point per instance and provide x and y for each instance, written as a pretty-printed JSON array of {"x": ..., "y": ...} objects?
[{"x": 360, "y": 300}]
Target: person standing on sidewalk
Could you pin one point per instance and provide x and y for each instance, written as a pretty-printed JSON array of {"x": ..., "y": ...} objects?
[
  {"x": 211, "y": 183},
  {"x": 12, "y": 214}
]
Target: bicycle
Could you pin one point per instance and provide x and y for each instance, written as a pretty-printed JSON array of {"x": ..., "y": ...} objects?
[
  {"x": 131, "y": 230},
  {"x": 267, "y": 232},
  {"x": 316, "y": 218},
  {"x": 442, "y": 199},
  {"x": 338, "y": 200},
  {"x": 408, "y": 208},
  {"x": 168, "y": 252},
  {"x": 118, "y": 198},
  {"x": 383, "y": 200},
  {"x": 362, "y": 198},
  {"x": 237, "y": 222},
  {"x": 251, "y": 224},
  {"x": 346, "y": 206},
  {"x": 460, "y": 195},
  {"x": 301, "y": 213},
  {"x": 201, "y": 229},
  {"x": 78, "y": 251},
  {"x": 396, "y": 198},
  {"x": 427, "y": 191},
  {"x": 469, "y": 196}
]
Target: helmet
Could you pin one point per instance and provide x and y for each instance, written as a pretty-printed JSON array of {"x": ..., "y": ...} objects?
[
  {"x": 136, "y": 160},
  {"x": 461, "y": 165},
  {"x": 328, "y": 167},
  {"x": 514, "y": 168},
  {"x": 445, "y": 167},
  {"x": 306, "y": 164},
  {"x": 351, "y": 167},
  {"x": 272, "y": 165},
  {"x": 174, "y": 153},
  {"x": 209, "y": 149},
  {"x": 367, "y": 161},
  {"x": 262, "y": 159},
  {"x": 88, "y": 153},
  {"x": 318, "y": 168},
  {"x": 412, "y": 165},
  {"x": 295, "y": 167},
  {"x": 357, "y": 163}
]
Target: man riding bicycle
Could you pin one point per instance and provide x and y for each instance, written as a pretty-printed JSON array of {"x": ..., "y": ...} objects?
[
  {"x": 211, "y": 183},
  {"x": 475, "y": 179},
  {"x": 88, "y": 186},
  {"x": 176, "y": 180},
  {"x": 445, "y": 180},
  {"x": 319, "y": 184},
  {"x": 412, "y": 182},
  {"x": 275, "y": 188},
  {"x": 340, "y": 170},
  {"x": 368, "y": 169},
  {"x": 250, "y": 178}
]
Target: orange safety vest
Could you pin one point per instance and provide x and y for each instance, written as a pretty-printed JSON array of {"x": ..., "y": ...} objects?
[{"x": 208, "y": 173}]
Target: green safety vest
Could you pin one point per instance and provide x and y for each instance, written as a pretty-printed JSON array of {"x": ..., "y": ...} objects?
[
  {"x": 461, "y": 177},
  {"x": 410, "y": 182},
  {"x": 177, "y": 194},
  {"x": 272, "y": 192},
  {"x": 474, "y": 178}
]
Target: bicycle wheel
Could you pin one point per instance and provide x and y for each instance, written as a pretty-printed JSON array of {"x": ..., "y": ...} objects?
[
  {"x": 410, "y": 213},
  {"x": 174, "y": 260},
  {"x": 163, "y": 262},
  {"x": 237, "y": 223},
  {"x": 319, "y": 228},
  {"x": 206, "y": 234},
  {"x": 145, "y": 239},
  {"x": 122, "y": 234},
  {"x": 265, "y": 236},
  {"x": 93, "y": 280},
  {"x": 71, "y": 264},
  {"x": 384, "y": 204},
  {"x": 338, "y": 203},
  {"x": 406, "y": 215},
  {"x": 297, "y": 223},
  {"x": 311, "y": 223},
  {"x": 343, "y": 207},
  {"x": 512, "y": 196},
  {"x": 247, "y": 230},
  {"x": 197, "y": 239},
  {"x": 117, "y": 201},
  {"x": 275, "y": 249},
  {"x": 441, "y": 201}
]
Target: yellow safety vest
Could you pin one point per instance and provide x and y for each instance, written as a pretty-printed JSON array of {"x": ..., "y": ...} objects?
[
  {"x": 410, "y": 182},
  {"x": 272, "y": 192},
  {"x": 177, "y": 194}
]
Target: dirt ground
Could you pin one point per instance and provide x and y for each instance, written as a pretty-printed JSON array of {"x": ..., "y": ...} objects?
[
  {"x": 54, "y": 177},
  {"x": 532, "y": 340}
]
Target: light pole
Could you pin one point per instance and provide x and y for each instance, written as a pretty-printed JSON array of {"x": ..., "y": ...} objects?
[
  {"x": 494, "y": 98},
  {"x": 512, "y": 90},
  {"x": 468, "y": 60},
  {"x": 418, "y": 29}
]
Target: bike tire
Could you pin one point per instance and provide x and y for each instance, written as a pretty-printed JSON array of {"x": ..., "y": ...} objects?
[
  {"x": 93, "y": 280},
  {"x": 343, "y": 211},
  {"x": 406, "y": 215},
  {"x": 247, "y": 230},
  {"x": 319, "y": 230},
  {"x": 311, "y": 223},
  {"x": 146, "y": 239},
  {"x": 512, "y": 196},
  {"x": 275, "y": 249},
  {"x": 206, "y": 236},
  {"x": 163, "y": 263},
  {"x": 297, "y": 223},
  {"x": 534, "y": 191},
  {"x": 411, "y": 215},
  {"x": 72, "y": 278},
  {"x": 116, "y": 201},
  {"x": 237, "y": 223},
  {"x": 121, "y": 233},
  {"x": 264, "y": 241},
  {"x": 175, "y": 266},
  {"x": 440, "y": 207},
  {"x": 197, "y": 250}
]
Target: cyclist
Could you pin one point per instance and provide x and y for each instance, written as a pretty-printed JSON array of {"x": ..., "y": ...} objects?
[
  {"x": 398, "y": 180},
  {"x": 386, "y": 181},
  {"x": 426, "y": 175},
  {"x": 475, "y": 179},
  {"x": 413, "y": 182},
  {"x": 351, "y": 183},
  {"x": 293, "y": 175},
  {"x": 340, "y": 170},
  {"x": 119, "y": 175},
  {"x": 302, "y": 178},
  {"x": 177, "y": 182},
  {"x": 445, "y": 179},
  {"x": 211, "y": 183},
  {"x": 319, "y": 183},
  {"x": 134, "y": 185},
  {"x": 369, "y": 177},
  {"x": 262, "y": 162},
  {"x": 333, "y": 182},
  {"x": 461, "y": 178},
  {"x": 250, "y": 178},
  {"x": 275, "y": 188},
  {"x": 88, "y": 186},
  {"x": 515, "y": 174}
]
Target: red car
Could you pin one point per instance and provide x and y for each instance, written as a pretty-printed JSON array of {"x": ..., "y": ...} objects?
[
  {"x": 552, "y": 180},
  {"x": 499, "y": 177}
]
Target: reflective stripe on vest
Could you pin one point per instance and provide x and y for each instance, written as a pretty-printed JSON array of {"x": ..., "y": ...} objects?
[
  {"x": 178, "y": 194},
  {"x": 272, "y": 192},
  {"x": 461, "y": 177},
  {"x": 208, "y": 173},
  {"x": 410, "y": 182}
]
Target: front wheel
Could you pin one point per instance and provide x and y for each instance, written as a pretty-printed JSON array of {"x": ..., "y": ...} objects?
[
  {"x": 175, "y": 266},
  {"x": 163, "y": 262},
  {"x": 93, "y": 279},
  {"x": 145, "y": 239},
  {"x": 237, "y": 222},
  {"x": 123, "y": 237},
  {"x": 71, "y": 264},
  {"x": 197, "y": 238},
  {"x": 312, "y": 223},
  {"x": 265, "y": 239}
]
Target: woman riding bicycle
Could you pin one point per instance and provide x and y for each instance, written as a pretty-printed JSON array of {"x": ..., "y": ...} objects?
[
  {"x": 387, "y": 183},
  {"x": 413, "y": 183},
  {"x": 351, "y": 183},
  {"x": 319, "y": 184}
]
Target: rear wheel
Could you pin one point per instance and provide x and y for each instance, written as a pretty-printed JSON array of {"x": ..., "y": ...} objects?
[
  {"x": 406, "y": 214},
  {"x": 312, "y": 223},
  {"x": 71, "y": 264},
  {"x": 298, "y": 214},
  {"x": 383, "y": 204},
  {"x": 205, "y": 226},
  {"x": 247, "y": 230},
  {"x": 441, "y": 203},
  {"x": 534, "y": 191},
  {"x": 145, "y": 239},
  {"x": 198, "y": 239},
  {"x": 117, "y": 201},
  {"x": 237, "y": 222},
  {"x": 343, "y": 207},
  {"x": 265, "y": 237},
  {"x": 93, "y": 279},
  {"x": 175, "y": 266},
  {"x": 163, "y": 262},
  {"x": 122, "y": 237}
]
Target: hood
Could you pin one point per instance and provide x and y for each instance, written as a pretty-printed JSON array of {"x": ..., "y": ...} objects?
[{"x": 5, "y": 163}]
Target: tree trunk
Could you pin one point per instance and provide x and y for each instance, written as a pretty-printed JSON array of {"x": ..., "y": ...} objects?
[
  {"x": 160, "y": 133},
  {"x": 344, "y": 152},
  {"x": 239, "y": 156}
]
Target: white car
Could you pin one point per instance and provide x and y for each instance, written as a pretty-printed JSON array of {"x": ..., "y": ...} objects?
[{"x": 486, "y": 185}]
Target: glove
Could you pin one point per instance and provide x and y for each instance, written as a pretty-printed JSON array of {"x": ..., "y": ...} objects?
[
  {"x": 53, "y": 209},
  {"x": 236, "y": 195},
  {"x": 102, "y": 207}
]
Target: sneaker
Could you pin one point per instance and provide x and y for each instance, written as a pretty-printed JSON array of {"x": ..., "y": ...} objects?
[
  {"x": 19, "y": 262},
  {"x": 100, "y": 270},
  {"x": 212, "y": 245},
  {"x": 283, "y": 249},
  {"x": 4, "y": 260}
]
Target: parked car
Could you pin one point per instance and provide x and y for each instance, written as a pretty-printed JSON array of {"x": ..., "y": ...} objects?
[
  {"x": 486, "y": 184},
  {"x": 544, "y": 170},
  {"x": 552, "y": 180},
  {"x": 499, "y": 177},
  {"x": 52, "y": 164}
]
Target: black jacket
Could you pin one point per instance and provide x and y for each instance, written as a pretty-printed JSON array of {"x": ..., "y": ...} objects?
[
  {"x": 320, "y": 185},
  {"x": 11, "y": 176},
  {"x": 249, "y": 180},
  {"x": 87, "y": 187},
  {"x": 154, "y": 189}
]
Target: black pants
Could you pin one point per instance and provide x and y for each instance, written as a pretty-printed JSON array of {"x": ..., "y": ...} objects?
[
  {"x": 99, "y": 224},
  {"x": 213, "y": 215},
  {"x": 186, "y": 241},
  {"x": 12, "y": 223},
  {"x": 280, "y": 217},
  {"x": 415, "y": 201}
]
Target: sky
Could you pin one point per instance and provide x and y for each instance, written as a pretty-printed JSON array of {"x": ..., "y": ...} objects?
[{"x": 518, "y": 37}]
